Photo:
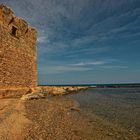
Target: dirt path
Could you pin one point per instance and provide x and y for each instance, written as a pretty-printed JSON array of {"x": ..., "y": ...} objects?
[{"x": 12, "y": 119}]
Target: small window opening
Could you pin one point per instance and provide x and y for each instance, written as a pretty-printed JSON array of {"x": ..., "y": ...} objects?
[{"x": 14, "y": 30}]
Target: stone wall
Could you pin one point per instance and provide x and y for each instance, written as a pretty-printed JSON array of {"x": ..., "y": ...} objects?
[{"x": 17, "y": 51}]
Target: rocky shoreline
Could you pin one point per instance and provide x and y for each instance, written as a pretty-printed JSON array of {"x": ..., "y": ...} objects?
[
  {"x": 17, "y": 92},
  {"x": 55, "y": 117}
]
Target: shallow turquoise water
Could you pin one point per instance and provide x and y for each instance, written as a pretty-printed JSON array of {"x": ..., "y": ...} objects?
[{"x": 117, "y": 105}]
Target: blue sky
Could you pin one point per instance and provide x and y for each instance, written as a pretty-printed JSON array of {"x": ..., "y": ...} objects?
[{"x": 84, "y": 41}]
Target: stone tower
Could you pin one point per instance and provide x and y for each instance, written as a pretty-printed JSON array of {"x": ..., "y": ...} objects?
[{"x": 18, "y": 66}]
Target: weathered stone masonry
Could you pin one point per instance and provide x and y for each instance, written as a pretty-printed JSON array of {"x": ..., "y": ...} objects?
[{"x": 17, "y": 51}]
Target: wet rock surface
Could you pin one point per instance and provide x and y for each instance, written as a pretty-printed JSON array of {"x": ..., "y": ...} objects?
[{"x": 32, "y": 96}]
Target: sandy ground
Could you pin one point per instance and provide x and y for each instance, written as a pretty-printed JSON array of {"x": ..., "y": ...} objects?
[
  {"x": 56, "y": 118},
  {"x": 12, "y": 119}
]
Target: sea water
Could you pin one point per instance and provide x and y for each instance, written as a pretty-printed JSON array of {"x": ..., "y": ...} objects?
[{"x": 117, "y": 105}]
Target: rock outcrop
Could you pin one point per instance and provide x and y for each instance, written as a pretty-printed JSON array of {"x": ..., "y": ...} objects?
[
  {"x": 32, "y": 96},
  {"x": 60, "y": 90}
]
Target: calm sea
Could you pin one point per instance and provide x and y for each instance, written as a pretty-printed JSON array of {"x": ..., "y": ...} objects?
[{"x": 118, "y": 105}]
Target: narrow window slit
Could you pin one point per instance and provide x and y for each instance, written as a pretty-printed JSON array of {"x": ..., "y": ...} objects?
[{"x": 14, "y": 30}]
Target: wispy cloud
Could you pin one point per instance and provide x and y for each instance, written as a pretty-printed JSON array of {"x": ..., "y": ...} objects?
[
  {"x": 42, "y": 39},
  {"x": 62, "y": 69},
  {"x": 90, "y": 63},
  {"x": 114, "y": 67},
  {"x": 77, "y": 68}
]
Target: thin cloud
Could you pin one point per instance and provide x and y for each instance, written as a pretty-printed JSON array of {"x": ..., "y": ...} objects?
[
  {"x": 114, "y": 67},
  {"x": 90, "y": 63},
  {"x": 42, "y": 39},
  {"x": 62, "y": 69}
]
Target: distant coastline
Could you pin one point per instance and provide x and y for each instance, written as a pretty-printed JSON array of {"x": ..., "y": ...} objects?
[{"x": 119, "y": 85}]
